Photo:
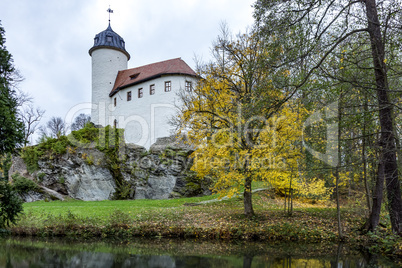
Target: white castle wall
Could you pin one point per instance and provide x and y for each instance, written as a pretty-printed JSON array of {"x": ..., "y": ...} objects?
[
  {"x": 146, "y": 119},
  {"x": 106, "y": 63}
]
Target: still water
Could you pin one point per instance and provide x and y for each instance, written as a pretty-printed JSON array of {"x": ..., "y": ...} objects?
[{"x": 173, "y": 253}]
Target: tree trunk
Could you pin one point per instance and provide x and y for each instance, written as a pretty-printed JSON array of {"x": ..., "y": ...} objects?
[
  {"x": 338, "y": 207},
  {"x": 247, "y": 260},
  {"x": 387, "y": 140},
  {"x": 374, "y": 218},
  {"x": 364, "y": 157},
  {"x": 248, "y": 205}
]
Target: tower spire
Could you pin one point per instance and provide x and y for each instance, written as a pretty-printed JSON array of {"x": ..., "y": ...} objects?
[{"x": 109, "y": 11}]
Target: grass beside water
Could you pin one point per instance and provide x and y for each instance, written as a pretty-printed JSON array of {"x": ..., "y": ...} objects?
[{"x": 185, "y": 218}]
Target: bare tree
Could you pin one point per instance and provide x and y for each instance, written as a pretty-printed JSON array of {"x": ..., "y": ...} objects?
[
  {"x": 80, "y": 121},
  {"x": 55, "y": 127},
  {"x": 31, "y": 117}
]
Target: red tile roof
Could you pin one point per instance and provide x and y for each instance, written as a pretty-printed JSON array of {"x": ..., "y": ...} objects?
[{"x": 144, "y": 73}]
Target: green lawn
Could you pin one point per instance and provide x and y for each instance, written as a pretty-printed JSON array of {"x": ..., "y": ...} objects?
[
  {"x": 137, "y": 208},
  {"x": 103, "y": 209},
  {"x": 174, "y": 218}
]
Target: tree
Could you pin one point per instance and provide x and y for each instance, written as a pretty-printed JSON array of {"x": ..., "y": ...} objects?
[
  {"x": 31, "y": 117},
  {"x": 237, "y": 120},
  {"x": 310, "y": 32},
  {"x": 80, "y": 121},
  {"x": 11, "y": 127},
  {"x": 10, "y": 202},
  {"x": 54, "y": 128},
  {"x": 11, "y": 134}
]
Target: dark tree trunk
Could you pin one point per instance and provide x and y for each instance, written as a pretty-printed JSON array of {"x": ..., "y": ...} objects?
[
  {"x": 248, "y": 205},
  {"x": 364, "y": 157},
  {"x": 247, "y": 260},
  {"x": 387, "y": 140},
  {"x": 374, "y": 218}
]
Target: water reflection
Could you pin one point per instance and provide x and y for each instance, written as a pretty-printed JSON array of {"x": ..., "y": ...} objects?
[{"x": 168, "y": 253}]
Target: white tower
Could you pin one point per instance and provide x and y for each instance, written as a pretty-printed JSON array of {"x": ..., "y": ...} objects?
[{"x": 108, "y": 57}]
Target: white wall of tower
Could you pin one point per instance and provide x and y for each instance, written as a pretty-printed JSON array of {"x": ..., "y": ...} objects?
[{"x": 106, "y": 62}]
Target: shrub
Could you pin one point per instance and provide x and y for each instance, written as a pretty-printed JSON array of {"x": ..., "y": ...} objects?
[
  {"x": 23, "y": 185},
  {"x": 10, "y": 205},
  {"x": 31, "y": 155},
  {"x": 315, "y": 190}
]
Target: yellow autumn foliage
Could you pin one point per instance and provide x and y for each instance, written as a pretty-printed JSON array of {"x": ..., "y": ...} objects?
[{"x": 241, "y": 126}]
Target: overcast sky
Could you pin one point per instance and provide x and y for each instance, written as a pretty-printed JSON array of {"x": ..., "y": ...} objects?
[{"x": 49, "y": 39}]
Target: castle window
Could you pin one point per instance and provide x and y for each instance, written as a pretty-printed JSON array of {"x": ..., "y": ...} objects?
[
  {"x": 115, "y": 123},
  {"x": 189, "y": 86},
  {"x": 129, "y": 96},
  {"x": 115, "y": 102},
  {"x": 168, "y": 86},
  {"x": 140, "y": 93},
  {"x": 152, "y": 89}
]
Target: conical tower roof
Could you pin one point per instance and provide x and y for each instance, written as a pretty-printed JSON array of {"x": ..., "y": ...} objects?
[{"x": 109, "y": 39}]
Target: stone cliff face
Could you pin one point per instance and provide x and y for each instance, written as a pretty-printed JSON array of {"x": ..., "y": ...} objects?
[{"x": 88, "y": 174}]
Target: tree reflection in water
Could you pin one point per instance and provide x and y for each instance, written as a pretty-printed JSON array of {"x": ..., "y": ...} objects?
[{"x": 171, "y": 253}]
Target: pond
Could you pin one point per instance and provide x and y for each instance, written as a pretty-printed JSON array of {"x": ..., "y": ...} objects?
[{"x": 26, "y": 252}]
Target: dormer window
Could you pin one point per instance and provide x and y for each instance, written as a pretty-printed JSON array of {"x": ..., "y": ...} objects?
[
  {"x": 122, "y": 43},
  {"x": 109, "y": 39},
  {"x": 96, "y": 40},
  {"x": 134, "y": 76}
]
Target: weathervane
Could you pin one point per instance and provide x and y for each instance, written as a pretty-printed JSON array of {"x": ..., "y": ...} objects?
[{"x": 110, "y": 11}]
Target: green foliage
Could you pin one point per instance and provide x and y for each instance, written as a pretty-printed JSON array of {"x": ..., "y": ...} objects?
[
  {"x": 49, "y": 148},
  {"x": 59, "y": 147},
  {"x": 31, "y": 155},
  {"x": 10, "y": 205},
  {"x": 90, "y": 160},
  {"x": 87, "y": 134},
  {"x": 11, "y": 128},
  {"x": 62, "y": 180},
  {"x": 41, "y": 175},
  {"x": 385, "y": 243},
  {"x": 119, "y": 218},
  {"x": 123, "y": 189},
  {"x": 23, "y": 185}
]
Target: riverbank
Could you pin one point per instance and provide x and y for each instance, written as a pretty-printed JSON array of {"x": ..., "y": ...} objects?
[{"x": 193, "y": 218}]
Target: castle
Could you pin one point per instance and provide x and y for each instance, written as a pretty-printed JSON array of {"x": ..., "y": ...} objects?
[{"x": 140, "y": 100}]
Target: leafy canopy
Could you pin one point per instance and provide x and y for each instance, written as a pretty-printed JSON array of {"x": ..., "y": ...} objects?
[{"x": 244, "y": 128}]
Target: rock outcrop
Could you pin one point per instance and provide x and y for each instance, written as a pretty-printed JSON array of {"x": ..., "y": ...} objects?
[{"x": 89, "y": 174}]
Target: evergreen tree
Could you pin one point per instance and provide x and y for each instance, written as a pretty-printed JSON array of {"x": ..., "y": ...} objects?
[
  {"x": 11, "y": 127},
  {"x": 11, "y": 134}
]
